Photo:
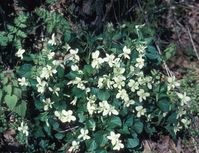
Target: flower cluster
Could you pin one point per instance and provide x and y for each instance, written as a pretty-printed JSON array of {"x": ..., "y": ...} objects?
[{"x": 106, "y": 97}]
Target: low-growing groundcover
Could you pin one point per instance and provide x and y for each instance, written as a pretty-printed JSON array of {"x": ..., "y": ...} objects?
[{"x": 102, "y": 100}]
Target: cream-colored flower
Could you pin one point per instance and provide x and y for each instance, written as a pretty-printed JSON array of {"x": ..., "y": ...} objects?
[
  {"x": 109, "y": 59},
  {"x": 47, "y": 104},
  {"x": 41, "y": 85},
  {"x": 51, "y": 55},
  {"x": 142, "y": 95},
  {"x": 74, "y": 101},
  {"x": 54, "y": 90},
  {"x": 140, "y": 62},
  {"x": 126, "y": 52},
  {"x": 24, "y": 128},
  {"x": 107, "y": 109},
  {"x": 20, "y": 53},
  {"x": 119, "y": 81},
  {"x": 84, "y": 134},
  {"x": 172, "y": 83},
  {"x": 118, "y": 71},
  {"x": 47, "y": 72},
  {"x": 78, "y": 81},
  {"x": 75, "y": 146},
  {"x": 105, "y": 82},
  {"x": 129, "y": 102},
  {"x": 52, "y": 40},
  {"x": 74, "y": 68},
  {"x": 113, "y": 137},
  {"x": 184, "y": 98},
  {"x": 140, "y": 111},
  {"x": 186, "y": 122},
  {"x": 122, "y": 94},
  {"x": 58, "y": 63},
  {"x": 133, "y": 85},
  {"x": 22, "y": 81},
  {"x": 65, "y": 116},
  {"x": 91, "y": 107},
  {"x": 97, "y": 61},
  {"x": 141, "y": 48},
  {"x": 73, "y": 55},
  {"x": 117, "y": 144}
]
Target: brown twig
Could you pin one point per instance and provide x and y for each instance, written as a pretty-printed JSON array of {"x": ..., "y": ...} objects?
[
  {"x": 192, "y": 42},
  {"x": 169, "y": 72}
]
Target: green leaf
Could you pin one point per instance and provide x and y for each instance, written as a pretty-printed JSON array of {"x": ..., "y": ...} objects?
[
  {"x": 21, "y": 109},
  {"x": 5, "y": 80},
  {"x": 163, "y": 104},
  {"x": 129, "y": 121},
  {"x": 152, "y": 53},
  {"x": 59, "y": 136},
  {"x": 172, "y": 118},
  {"x": 132, "y": 143},
  {"x": 82, "y": 117},
  {"x": 11, "y": 101},
  {"x": 90, "y": 124},
  {"x": 103, "y": 95},
  {"x": 8, "y": 89},
  {"x": 138, "y": 127},
  {"x": 91, "y": 145},
  {"x": 78, "y": 92},
  {"x": 101, "y": 151},
  {"x": 124, "y": 130},
  {"x": 170, "y": 51},
  {"x": 17, "y": 92},
  {"x": 88, "y": 70},
  {"x": 25, "y": 70},
  {"x": 101, "y": 138},
  {"x": 60, "y": 72},
  {"x": 114, "y": 121}
]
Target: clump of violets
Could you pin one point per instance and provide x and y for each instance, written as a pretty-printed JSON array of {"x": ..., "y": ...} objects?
[{"x": 108, "y": 97}]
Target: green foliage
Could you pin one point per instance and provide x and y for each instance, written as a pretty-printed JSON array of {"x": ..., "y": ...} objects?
[
  {"x": 54, "y": 22},
  {"x": 16, "y": 31},
  {"x": 88, "y": 102},
  {"x": 11, "y": 94},
  {"x": 87, "y": 93}
]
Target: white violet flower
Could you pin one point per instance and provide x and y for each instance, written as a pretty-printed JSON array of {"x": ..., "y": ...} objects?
[
  {"x": 84, "y": 134},
  {"x": 78, "y": 81},
  {"x": 75, "y": 146},
  {"x": 172, "y": 83},
  {"x": 184, "y": 98},
  {"x": 74, "y": 57},
  {"x": 107, "y": 109},
  {"x": 65, "y": 116},
  {"x": 41, "y": 85},
  {"x": 117, "y": 144},
  {"x": 22, "y": 81},
  {"x": 97, "y": 61},
  {"x": 52, "y": 40},
  {"x": 51, "y": 55},
  {"x": 20, "y": 52},
  {"x": 24, "y": 128},
  {"x": 47, "y": 104},
  {"x": 55, "y": 90},
  {"x": 140, "y": 62},
  {"x": 133, "y": 85},
  {"x": 109, "y": 59},
  {"x": 140, "y": 111},
  {"x": 126, "y": 52},
  {"x": 142, "y": 95},
  {"x": 47, "y": 72}
]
